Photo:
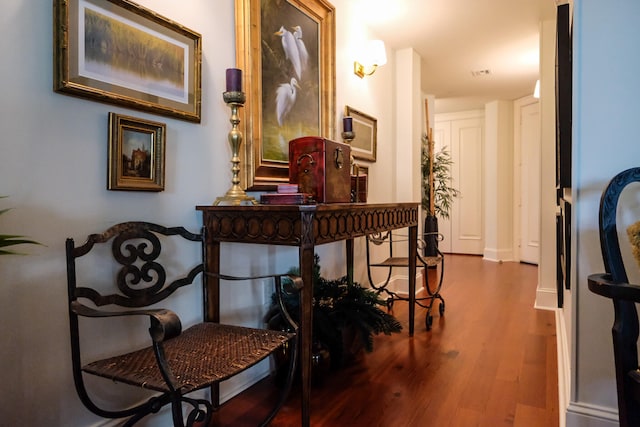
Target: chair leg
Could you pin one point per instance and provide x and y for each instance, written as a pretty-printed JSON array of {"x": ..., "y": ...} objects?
[
  {"x": 151, "y": 407},
  {"x": 196, "y": 416},
  {"x": 287, "y": 386},
  {"x": 176, "y": 411}
]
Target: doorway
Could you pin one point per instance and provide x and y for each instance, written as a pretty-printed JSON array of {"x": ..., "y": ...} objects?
[{"x": 527, "y": 172}]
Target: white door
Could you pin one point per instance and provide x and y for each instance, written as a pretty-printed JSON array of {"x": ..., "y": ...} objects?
[
  {"x": 442, "y": 138},
  {"x": 463, "y": 134},
  {"x": 528, "y": 133}
]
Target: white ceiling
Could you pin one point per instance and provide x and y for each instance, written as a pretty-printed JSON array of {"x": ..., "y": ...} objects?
[{"x": 456, "y": 37}]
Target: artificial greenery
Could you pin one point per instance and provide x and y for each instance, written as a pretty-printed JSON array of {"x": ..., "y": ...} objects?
[
  {"x": 7, "y": 240},
  {"x": 338, "y": 304},
  {"x": 444, "y": 193}
]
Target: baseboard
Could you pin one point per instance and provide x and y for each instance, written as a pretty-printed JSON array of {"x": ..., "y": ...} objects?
[
  {"x": 564, "y": 367},
  {"x": 498, "y": 255},
  {"x": 242, "y": 382},
  {"x": 400, "y": 283},
  {"x": 546, "y": 299},
  {"x": 576, "y": 414},
  {"x": 586, "y": 415}
]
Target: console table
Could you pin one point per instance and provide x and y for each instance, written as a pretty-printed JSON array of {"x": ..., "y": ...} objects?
[{"x": 304, "y": 226}]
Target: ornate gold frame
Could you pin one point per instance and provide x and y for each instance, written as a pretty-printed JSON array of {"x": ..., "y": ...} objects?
[
  {"x": 120, "y": 128},
  {"x": 70, "y": 77},
  {"x": 259, "y": 174}
]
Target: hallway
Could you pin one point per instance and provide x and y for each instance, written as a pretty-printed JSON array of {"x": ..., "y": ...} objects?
[{"x": 490, "y": 361}]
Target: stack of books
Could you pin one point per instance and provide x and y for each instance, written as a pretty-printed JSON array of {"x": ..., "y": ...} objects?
[{"x": 288, "y": 194}]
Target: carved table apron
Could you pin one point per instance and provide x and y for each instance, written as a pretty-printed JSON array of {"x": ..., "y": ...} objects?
[{"x": 304, "y": 226}]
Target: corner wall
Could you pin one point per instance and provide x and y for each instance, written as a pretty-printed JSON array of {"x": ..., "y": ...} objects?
[{"x": 605, "y": 110}]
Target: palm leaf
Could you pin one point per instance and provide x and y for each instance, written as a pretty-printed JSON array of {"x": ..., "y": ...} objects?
[{"x": 7, "y": 240}]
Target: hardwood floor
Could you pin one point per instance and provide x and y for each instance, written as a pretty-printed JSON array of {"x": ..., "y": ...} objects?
[{"x": 490, "y": 361}]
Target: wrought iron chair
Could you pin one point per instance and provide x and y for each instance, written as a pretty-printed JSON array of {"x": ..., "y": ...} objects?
[
  {"x": 175, "y": 362},
  {"x": 614, "y": 284},
  {"x": 390, "y": 262}
]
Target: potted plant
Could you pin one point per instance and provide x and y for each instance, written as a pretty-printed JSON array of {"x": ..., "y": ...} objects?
[
  {"x": 437, "y": 192},
  {"x": 8, "y": 240},
  {"x": 346, "y": 316}
]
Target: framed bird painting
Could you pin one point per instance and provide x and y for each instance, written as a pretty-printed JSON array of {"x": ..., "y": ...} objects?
[{"x": 287, "y": 51}]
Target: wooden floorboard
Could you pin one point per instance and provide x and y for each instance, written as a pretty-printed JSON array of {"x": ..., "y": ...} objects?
[{"x": 489, "y": 361}]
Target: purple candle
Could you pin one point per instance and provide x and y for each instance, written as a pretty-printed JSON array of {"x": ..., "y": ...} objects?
[
  {"x": 234, "y": 80},
  {"x": 347, "y": 124}
]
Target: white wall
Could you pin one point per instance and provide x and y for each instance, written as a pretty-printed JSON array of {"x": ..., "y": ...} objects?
[
  {"x": 498, "y": 184},
  {"x": 605, "y": 115},
  {"x": 546, "y": 295},
  {"x": 53, "y": 160}
]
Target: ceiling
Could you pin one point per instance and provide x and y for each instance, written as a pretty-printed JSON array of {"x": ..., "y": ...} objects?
[{"x": 457, "y": 38}]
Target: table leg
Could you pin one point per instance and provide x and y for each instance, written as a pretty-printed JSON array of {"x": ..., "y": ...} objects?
[
  {"x": 413, "y": 252},
  {"x": 349, "y": 249},
  {"x": 306, "y": 328}
]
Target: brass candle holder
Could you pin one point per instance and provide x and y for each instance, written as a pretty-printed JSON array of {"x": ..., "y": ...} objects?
[
  {"x": 235, "y": 195},
  {"x": 348, "y": 137}
]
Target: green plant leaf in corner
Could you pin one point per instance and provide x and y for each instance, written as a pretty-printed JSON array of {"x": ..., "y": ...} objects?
[{"x": 7, "y": 240}]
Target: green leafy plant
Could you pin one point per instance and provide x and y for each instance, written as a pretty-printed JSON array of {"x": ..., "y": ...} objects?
[
  {"x": 8, "y": 240},
  {"x": 443, "y": 192},
  {"x": 337, "y": 306}
]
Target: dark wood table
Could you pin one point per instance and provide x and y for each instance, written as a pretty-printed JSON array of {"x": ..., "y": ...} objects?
[{"x": 304, "y": 226}]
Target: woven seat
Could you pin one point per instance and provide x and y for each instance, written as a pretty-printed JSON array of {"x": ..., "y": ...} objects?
[
  {"x": 200, "y": 356},
  {"x": 175, "y": 363}
]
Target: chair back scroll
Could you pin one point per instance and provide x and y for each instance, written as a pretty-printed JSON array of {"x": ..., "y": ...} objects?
[{"x": 141, "y": 278}]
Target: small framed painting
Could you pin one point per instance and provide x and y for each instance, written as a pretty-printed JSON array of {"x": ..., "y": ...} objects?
[
  {"x": 136, "y": 154},
  {"x": 365, "y": 127}
]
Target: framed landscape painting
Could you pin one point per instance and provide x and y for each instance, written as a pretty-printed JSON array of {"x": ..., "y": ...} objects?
[
  {"x": 287, "y": 51},
  {"x": 118, "y": 52}
]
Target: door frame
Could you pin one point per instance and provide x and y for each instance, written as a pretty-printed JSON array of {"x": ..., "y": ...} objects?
[{"x": 518, "y": 105}]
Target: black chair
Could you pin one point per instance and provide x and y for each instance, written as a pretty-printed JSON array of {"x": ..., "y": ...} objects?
[
  {"x": 173, "y": 362},
  {"x": 390, "y": 261},
  {"x": 614, "y": 284}
]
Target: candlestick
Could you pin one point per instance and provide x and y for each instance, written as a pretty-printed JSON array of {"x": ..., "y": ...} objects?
[
  {"x": 234, "y": 80},
  {"x": 235, "y": 195},
  {"x": 348, "y": 136},
  {"x": 347, "y": 124}
]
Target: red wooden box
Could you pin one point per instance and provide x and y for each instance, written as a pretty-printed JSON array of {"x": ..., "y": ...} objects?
[{"x": 321, "y": 168}]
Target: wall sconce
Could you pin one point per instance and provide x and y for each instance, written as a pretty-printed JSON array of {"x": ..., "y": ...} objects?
[{"x": 373, "y": 55}]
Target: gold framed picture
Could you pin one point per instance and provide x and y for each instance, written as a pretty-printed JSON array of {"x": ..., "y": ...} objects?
[
  {"x": 287, "y": 51},
  {"x": 136, "y": 154},
  {"x": 118, "y": 52},
  {"x": 365, "y": 127}
]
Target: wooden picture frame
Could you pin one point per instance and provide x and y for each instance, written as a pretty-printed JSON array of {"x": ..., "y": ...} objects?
[
  {"x": 136, "y": 154},
  {"x": 157, "y": 69},
  {"x": 564, "y": 93},
  {"x": 364, "y": 145},
  {"x": 266, "y": 125}
]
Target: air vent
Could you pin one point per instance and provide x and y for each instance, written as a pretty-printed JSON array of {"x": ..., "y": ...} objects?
[{"x": 480, "y": 73}]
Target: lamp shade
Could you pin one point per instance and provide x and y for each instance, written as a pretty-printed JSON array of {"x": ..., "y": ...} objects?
[{"x": 376, "y": 53}]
